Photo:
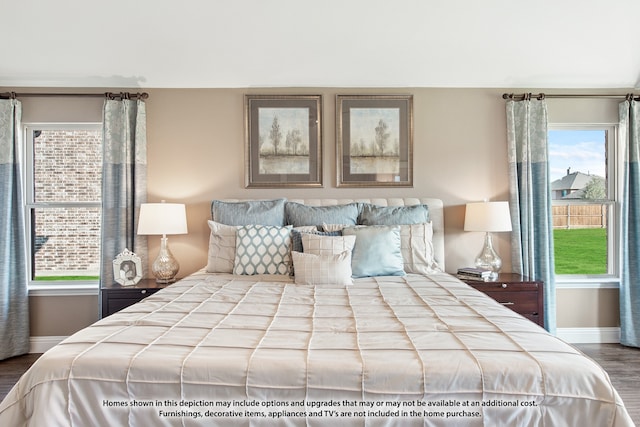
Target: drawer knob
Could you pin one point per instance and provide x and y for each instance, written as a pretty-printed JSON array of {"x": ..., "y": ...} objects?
[
  {"x": 144, "y": 291},
  {"x": 504, "y": 286}
]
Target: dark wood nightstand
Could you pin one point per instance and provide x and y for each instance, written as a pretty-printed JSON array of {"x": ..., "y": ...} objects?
[
  {"x": 519, "y": 293},
  {"x": 116, "y": 297}
]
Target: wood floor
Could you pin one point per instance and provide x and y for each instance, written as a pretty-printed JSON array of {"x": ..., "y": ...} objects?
[{"x": 622, "y": 364}]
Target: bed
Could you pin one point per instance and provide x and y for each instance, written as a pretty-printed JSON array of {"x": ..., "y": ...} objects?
[{"x": 311, "y": 347}]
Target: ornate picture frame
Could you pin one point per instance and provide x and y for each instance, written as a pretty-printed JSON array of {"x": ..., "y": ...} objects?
[
  {"x": 374, "y": 140},
  {"x": 283, "y": 146},
  {"x": 127, "y": 268}
]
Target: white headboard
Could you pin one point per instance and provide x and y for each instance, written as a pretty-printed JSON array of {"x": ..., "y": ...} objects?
[{"x": 436, "y": 213}]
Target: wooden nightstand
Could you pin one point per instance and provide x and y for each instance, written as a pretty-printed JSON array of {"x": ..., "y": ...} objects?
[
  {"x": 519, "y": 293},
  {"x": 116, "y": 297}
]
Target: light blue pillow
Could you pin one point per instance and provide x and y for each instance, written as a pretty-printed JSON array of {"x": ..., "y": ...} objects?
[
  {"x": 298, "y": 214},
  {"x": 262, "y": 212},
  {"x": 393, "y": 215},
  {"x": 377, "y": 251}
]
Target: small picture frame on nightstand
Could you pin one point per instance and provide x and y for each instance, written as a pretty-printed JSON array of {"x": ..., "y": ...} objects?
[{"x": 127, "y": 268}]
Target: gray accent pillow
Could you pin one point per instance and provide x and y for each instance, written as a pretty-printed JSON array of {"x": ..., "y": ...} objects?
[
  {"x": 261, "y": 212},
  {"x": 298, "y": 214},
  {"x": 393, "y": 215}
]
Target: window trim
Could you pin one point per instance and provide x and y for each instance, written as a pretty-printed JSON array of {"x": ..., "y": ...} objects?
[
  {"x": 610, "y": 280},
  {"x": 59, "y": 287}
]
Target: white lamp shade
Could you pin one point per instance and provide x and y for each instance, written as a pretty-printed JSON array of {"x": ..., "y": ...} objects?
[
  {"x": 162, "y": 218},
  {"x": 487, "y": 216}
]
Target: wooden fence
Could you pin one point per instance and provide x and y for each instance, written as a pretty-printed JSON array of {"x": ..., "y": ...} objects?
[{"x": 579, "y": 216}]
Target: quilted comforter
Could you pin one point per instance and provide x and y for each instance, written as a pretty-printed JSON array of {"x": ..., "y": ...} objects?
[{"x": 217, "y": 349}]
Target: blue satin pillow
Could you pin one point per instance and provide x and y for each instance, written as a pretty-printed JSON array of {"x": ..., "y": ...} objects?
[
  {"x": 393, "y": 215},
  {"x": 298, "y": 214},
  {"x": 377, "y": 251},
  {"x": 249, "y": 212}
]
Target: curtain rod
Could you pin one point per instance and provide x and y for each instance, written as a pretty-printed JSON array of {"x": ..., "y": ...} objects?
[
  {"x": 540, "y": 96},
  {"x": 107, "y": 95}
]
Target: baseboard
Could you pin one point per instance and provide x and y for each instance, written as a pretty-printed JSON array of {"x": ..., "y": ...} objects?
[
  {"x": 571, "y": 335},
  {"x": 42, "y": 344},
  {"x": 589, "y": 335}
]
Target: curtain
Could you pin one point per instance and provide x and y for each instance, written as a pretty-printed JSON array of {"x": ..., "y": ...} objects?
[
  {"x": 530, "y": 196},
  {"x": 14, "y": 297},
  {"x": 630, "y": 225},
  {"x": 124, "y": 181}
]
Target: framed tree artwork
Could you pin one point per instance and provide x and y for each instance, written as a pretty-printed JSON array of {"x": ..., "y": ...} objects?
[
  {"x": 283, "y": 141},
  {"x": 374, "y": 136}
]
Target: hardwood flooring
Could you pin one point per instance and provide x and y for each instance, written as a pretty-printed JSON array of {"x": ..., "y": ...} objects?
[{"x": 622, "y": 364}]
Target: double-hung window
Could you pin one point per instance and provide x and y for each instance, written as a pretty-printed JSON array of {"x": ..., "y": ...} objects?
[
  {"x": 583, "y": 163},
  {"x": 63, "y": 168}
]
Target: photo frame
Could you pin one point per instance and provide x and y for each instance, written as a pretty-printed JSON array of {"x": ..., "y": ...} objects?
[
  {"x": 374, "y": 140},
  {"x": 127, "y": 268},
  {"x": 283, "y": 141}
]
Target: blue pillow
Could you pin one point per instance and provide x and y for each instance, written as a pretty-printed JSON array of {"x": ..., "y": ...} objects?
[
  {"x": 249, "y": 212},
  {"x": 377, "y": 251},
  {"x": 393, "y": 215},
  {"x": 298, "y": 214}
]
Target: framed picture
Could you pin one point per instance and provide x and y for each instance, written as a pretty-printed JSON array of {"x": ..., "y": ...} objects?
[
  {"x": 374, "y": 137},
  {"x": 283, "y": 141},
  {"x": 127, "y": 268}
]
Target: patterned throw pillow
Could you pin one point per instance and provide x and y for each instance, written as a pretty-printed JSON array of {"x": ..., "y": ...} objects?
[
  {"x": 222, "y": 248},
  {"x": 326, "y": 244},
  {"x": 322, "y": 270},
  {"x": 417, "y": 248},
  {"x": 262, "y": 249}
]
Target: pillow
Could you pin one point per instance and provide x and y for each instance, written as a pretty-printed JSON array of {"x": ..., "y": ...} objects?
[
  {"x": 327, "y": 244},
  {"x": 322, "y": 269},
  {"x": 333, "y": 227},
  {"x": 298, "y": 214},
  {"x": 393, "y": 215},
  {"x": 377, "y": 251},
  {"x": 262, "y": 249},
  {"x": 416, "y": 246},
  {"x": 296, "y": 237},
  {"x": 263, "y": 212},
  {"x": 222, "y": 248}
]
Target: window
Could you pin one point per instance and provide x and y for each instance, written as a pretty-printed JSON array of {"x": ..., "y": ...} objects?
[
  {"x": 582, "y": 164},
  {"x": 63, "y": 194}
]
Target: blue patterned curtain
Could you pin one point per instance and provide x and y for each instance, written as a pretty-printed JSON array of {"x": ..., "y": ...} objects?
[
  {"x": 630, "y": 225},
  {"x": 530, "y": 195},
  {"x": 14, "y": 298},
  {"x": 124, "y": 181}
]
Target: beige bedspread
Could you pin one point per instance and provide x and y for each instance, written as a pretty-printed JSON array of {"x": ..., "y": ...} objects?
[{"x": 229, "y": 350}]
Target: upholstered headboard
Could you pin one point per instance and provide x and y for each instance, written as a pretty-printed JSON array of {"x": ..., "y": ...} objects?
[{"x": 436, "y": 214}]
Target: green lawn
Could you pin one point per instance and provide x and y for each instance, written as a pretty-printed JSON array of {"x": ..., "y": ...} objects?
[{"x": 580, "y": 251}]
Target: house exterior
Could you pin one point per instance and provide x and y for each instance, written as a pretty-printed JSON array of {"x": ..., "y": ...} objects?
[{"x": 572, "y": 185}]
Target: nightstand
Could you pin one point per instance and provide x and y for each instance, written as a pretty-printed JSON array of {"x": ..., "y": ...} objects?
[
  {"x": 519, "y": 293},
  {"x": 116, "y": 297}
]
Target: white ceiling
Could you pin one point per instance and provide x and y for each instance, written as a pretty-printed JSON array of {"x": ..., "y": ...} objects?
[{"x": 321, "y": 43}]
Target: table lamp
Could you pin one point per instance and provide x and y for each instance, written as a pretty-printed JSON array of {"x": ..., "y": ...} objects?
[
  {"x": 162, "y": 219},
  {"x": 488, "y": 217}
]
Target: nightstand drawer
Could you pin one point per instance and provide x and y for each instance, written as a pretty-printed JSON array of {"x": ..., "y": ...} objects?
[
  {"x": 114, "y": 299},
  {"x": 520, "y": 294},
  {"x": 523, "y": 302}
]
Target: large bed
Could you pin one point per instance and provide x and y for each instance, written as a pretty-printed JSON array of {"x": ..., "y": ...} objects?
[{"x": 305, "y": 348}]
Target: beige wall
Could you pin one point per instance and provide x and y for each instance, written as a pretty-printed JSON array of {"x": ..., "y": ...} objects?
[{"x": 196, "y": 153}]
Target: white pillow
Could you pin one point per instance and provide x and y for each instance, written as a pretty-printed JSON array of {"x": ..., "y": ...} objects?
[
  {"x": 222, "y": 248},
  {"x": 314, "y": 269},
  {"x": 416, "y": 246},
  {"x": 263, "y": 249},
  {"x": 327, "y": 245}
]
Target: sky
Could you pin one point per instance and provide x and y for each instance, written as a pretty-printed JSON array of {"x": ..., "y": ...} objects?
[{"x": 581, "y": 150}]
